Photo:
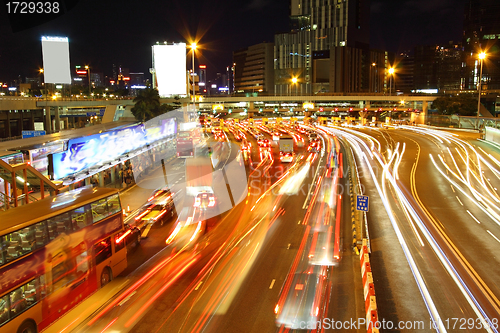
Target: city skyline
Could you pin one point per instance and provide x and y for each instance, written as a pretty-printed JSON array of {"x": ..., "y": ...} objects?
[{"x": 102, "y": 34}]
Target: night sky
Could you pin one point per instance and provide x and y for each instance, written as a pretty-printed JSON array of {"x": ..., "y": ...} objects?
[{"x": 103, "y": 32}]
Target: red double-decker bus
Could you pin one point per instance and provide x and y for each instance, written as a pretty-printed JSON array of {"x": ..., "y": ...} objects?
[
  {"x": 55, "y": 253},
  {"x": 185, "y": 143}
]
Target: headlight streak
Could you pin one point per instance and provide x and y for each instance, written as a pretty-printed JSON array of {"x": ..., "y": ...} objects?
[
  {"x": 458, "y": 280},
  {"x": 442, "y": 257},
  {"x": 431, "y": 307},
  {"x": 477, "y": 195},
  {"x": 485, "y": 210},
  {"x": 429, "y": 303}
]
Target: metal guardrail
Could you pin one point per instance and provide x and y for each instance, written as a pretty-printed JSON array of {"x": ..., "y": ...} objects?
[
  {"x": 11, "y": 138},
  {"x": 465, "y": 122},
  {"x": 10, "y": 202}
]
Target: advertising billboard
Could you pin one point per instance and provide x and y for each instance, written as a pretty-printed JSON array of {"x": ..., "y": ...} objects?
[
  {"x": 55, "y": 52},
  {"x": 169, "y": 62},
  {"x": 95, "y": 150}
]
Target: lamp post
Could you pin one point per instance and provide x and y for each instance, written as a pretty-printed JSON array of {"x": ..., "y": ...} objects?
[
  {"x": 193, "y": 48},
  {"x": 391, "y": 73},
  {"x": 88, "y": 73},
  {"x": 374, "y": 65},
  {"x": 294, "y": 81},
  {"x": 481, "y": 57}
]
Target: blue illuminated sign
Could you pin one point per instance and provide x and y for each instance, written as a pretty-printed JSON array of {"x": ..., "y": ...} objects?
[
  {"x": 32, "y": 134},
  {"x": 94, "y": 150},
  {"x": 362, "y": 203}
]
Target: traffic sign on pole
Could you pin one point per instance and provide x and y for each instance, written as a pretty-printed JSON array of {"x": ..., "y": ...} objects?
[{"x": 362, "y": 203}]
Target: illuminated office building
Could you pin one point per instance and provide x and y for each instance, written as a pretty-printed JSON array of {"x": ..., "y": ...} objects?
[{"x": 324, "y": 29}]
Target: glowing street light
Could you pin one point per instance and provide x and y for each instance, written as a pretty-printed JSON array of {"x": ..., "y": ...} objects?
[{"x": 481, "y": 57}]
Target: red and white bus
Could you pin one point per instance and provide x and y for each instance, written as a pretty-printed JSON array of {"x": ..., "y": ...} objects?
[
  {"x": 55, "y": 253},
  {"x": 185, "y": 144}
]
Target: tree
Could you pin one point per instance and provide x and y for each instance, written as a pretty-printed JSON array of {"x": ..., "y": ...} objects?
[
  {"x": 147, "y": 104},
  {"x": 150, "y": 97},
  {"x": 463, "y": 105},
  {"x": 142, "y": 112}
]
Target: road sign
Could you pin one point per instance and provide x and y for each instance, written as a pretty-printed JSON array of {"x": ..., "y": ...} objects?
[
  {"x": 362, "y": 203},
  {"x": 32, "y": 134}
]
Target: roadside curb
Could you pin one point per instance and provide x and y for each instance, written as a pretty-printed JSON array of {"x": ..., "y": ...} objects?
[{"x": 371, "y": 309}]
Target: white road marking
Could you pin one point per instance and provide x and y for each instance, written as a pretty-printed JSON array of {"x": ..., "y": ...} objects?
[
  {"x": 474, "y": 217},
  {"x": 272, "y": 284},
  {"x": 459, "y": 201},
  {"x": 498, "y": 240}
]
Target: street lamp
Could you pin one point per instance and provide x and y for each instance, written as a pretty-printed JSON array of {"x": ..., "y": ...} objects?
[
  {"x": 193, "y": 48},
  {"x": 481, "y": 57},
  {"x": 88, "y": 73},
  {"x": 374, "y": 65},
  {"x": 391, "y": 73}
]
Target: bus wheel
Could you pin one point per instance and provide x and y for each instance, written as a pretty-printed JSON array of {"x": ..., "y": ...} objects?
[
  {"x": 105, "y": 276},
  {"x": 27, "y": 327}
]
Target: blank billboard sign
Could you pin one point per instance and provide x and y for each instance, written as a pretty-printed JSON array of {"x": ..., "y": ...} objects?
[
  {"x": 55, "y": 52},
  {"x": 169, "y": 62}
]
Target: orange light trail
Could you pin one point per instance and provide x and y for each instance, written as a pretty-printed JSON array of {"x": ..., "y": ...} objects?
[{"x": 159, "y": 292}]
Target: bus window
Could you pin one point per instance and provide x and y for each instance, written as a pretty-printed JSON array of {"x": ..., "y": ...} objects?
[
  {"x": 102, "y": 250},
  {"x": 82, "y": 263},
  {"x": 61, "y": 268},
  {"x": 4, "y": 309},
  {"x": 60, "y": 224},
  {"x": 79, "y": 217},
  {"x": 119, "y": 241},
  {"x": 41, "y": 236},
  {"x": 21, "y": 242},
  {"x": 17, "y": 302},
  {"x": 99, "y": 210},
  {"x": 114, "y": 204}
]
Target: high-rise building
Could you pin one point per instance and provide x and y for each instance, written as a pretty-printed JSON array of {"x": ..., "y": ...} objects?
[
  {"x": 96, "y": 79},
  {"x": 339, "y": 30},
  {"x": 403, "y": 77},
  {"x": 253, "y": 69},
  {"x": 203, "y": 79},
  {"x": 137, "y": 79},
  {"x": 482, "y": 34},
  {"x": 438, "y": 67}
]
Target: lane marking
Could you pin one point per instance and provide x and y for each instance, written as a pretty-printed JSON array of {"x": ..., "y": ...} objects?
[
  {"x": 459, "y": 200},
  {"x": 198, "y": 285},
  {"x": 313, "y": 180},
  {"x": 474, "y": 217},
  {"x": 452, "y": 188},
  {"x": 498, "y": 240},
  {"x": 272, "y": 284},
  {"x": 288, "y": 247}
]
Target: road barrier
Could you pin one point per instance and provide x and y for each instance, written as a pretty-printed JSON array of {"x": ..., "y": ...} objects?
[{"x": 368, "y": 289}]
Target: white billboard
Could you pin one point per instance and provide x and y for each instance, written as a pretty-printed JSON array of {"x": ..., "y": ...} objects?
[
  {"x": 56, "y": 67},
  {"x": 169, "y": 62}
]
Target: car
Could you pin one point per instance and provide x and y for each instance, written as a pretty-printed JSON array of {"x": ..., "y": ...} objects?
[
  {"x": 159, "y": 209},
  {"x": 314, "y": 147},
  {"x": 160, "y": 192},
  {"x": 304, "y": 302},
  {"x": 204, "y": 200},
  {"x": 131, "y": 235}
]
